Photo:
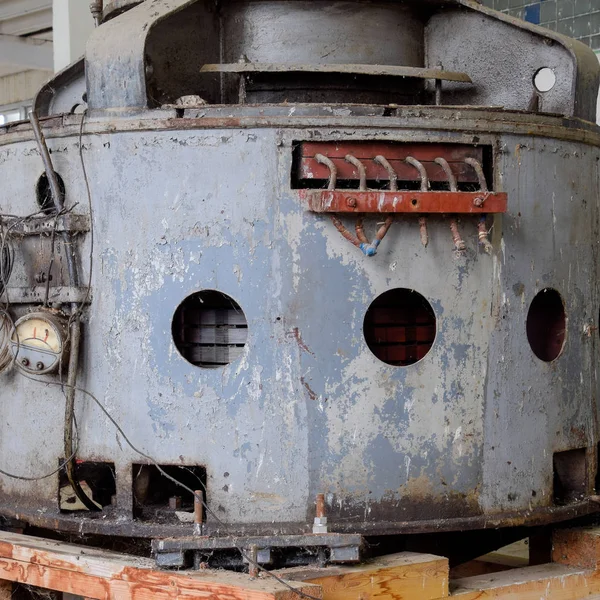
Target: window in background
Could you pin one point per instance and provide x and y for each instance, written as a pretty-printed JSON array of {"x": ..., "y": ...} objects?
[{"x": 12, "y": 113}]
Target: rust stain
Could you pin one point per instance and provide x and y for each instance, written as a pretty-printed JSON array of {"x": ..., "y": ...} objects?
[
  {"x": 301, "y": 343},
  {"x": 310, "y": 391},
  {"x": 6, "y": 550}
]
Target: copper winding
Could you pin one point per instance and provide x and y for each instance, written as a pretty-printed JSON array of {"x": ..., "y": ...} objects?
[
  {"x": 383, "y": 161},
  {"x": 384, "y": 228},
  {"x": 483, "y": 236},
  {"x": 459, "y": 243},
  {"x": 360, "y": 231},
  {"x": 362, "y": 171},
  {"x": 424, "y": 188},
  {"x": 361, "y": 240},
  {"x": 340, "y": 227},
  {"x": 480, "y": 174},
  {"x": 422, "y": 172},
  {"x": 323, "y": 160},
  {"x": 449, "y": 174},
  {"x": 424, "y": 233}
]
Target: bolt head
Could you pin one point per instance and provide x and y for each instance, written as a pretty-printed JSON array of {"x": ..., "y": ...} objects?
[
  {"x": 39, "y": 366},
  {"x": 351, "y": 202},
  {"x": 25, "y": 362},
  {"x": 478, "y": 202},
  {"x": 320, "y": 529}
]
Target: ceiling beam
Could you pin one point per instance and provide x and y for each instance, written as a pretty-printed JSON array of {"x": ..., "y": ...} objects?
[
  {"x": 27, "y": 23},
  {"x": 9, "y": 9},
  {"x": 26, "y": 53}
]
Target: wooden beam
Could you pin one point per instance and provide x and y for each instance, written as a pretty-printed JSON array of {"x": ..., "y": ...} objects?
[
  {"x": 546, "y": 582},
  {"x": 577, "y": 547},
  {"x": 399, "y": 576},
  {"x": 103, "y": 575}
]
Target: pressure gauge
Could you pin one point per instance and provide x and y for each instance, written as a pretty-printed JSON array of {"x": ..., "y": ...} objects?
[{"x": 39, "y": 343}]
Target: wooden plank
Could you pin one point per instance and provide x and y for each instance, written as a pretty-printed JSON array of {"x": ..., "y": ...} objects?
[
  {"x": 399, "y": 576},
  {"x": 577, "y": 547},
  {"x": 545, "y": 582},
  {"x": 102, "y": 575},
  {"x": 416, "y": 203}
]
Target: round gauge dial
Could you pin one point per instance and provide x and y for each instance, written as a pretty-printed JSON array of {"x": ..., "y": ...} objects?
[{"x": 39, "y": 343}]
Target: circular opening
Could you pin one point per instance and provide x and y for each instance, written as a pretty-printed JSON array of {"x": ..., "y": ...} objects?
[
  {"x": 544, "y": 80},
  {"x": 210, "y": 329},
  {"x": 400, "y": 327},
  {"x": 44, "y": 193},
  {"x": 414, "y": 202},
  {"x": 547, "y": 325}
]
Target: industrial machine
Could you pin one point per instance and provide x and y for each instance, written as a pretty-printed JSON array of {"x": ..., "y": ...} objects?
[{"x": 305, "y": 275}]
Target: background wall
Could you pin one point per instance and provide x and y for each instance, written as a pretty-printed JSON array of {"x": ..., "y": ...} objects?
[{"x": 576, "y": 18}]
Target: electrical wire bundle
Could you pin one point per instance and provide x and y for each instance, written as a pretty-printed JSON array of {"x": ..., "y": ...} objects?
[
  {"x": 6, "y": 323},
  {"x": 6, "y": 330}
]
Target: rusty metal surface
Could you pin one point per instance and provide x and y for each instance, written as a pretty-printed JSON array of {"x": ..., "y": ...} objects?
[
  {"x": 360, "y": 419},
  {"x": 206, "y": 198},
  {"x": 333, "y": 37},
  {"x": 336, "y": 123},
  {"x": 395, "y": 155},
  {"x": 355, "y": 201}
]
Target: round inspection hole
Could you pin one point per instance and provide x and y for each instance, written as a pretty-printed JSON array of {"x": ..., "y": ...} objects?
[
  {"x": 414, "y": 202},
  {"x": 210, "y": 329},
  {"x": 544, "y": 79},
  {"x": 547, "y": 325},
  {"x": 400, "y": 327},
  {"x": 43, "y": 193}
]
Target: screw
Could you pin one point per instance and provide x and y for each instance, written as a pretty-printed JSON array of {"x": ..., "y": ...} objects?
[
  {"x": 351, "y": 202},
  {"x": 25, "y": 362},
  {"x": 478, "y": 202},
  {"x": 39, "y": 366}
]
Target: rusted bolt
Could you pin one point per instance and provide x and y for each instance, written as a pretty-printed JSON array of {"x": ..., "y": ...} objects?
[
  {"x": 39, "y": 366},
  {"x": 320, "y": 506},
  {"x": 175, "y": 502},
  {"x": 479, "y": 201},
  {"x": 198, "y": 507},
  {"x": 351, "y": 202},
  {"x": 253, "y": 567},
  {"x": 25, "y": 362}
]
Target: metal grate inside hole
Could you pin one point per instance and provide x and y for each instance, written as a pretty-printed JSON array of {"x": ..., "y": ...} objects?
[
  {"x": 400, "y": 327},
  {"x": 210, "y": 329}
]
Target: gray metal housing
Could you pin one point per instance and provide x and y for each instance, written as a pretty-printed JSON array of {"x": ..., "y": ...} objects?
[{"x": 187, "y": 199}]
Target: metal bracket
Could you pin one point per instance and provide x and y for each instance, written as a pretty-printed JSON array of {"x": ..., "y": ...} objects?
[
  {"x": 404, "y": 202},
  {"x": 40, "y": 225},
  {"x": 56, "y": 295},
  {"x": 343, "y": 548}
]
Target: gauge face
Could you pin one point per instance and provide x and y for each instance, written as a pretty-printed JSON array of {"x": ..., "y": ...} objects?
[{"x": 38, "y": 343}]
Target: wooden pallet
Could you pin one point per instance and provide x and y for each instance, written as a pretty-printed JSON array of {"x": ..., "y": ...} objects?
[{"x": 94, "y": 574}]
